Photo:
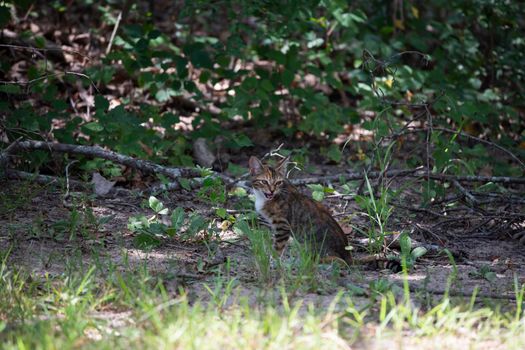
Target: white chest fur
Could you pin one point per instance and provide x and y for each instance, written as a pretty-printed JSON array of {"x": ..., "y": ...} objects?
[{"x": 260, "y": 201}]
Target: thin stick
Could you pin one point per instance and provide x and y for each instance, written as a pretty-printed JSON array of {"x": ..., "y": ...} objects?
[
  {"x": 115, "y": 28},
  {"x": 36, "y": 49},
  {"x": 41, "y": 179},
  {"x": 66, "y": 195},
  {"x": 46, "y": 76},
  {"x": 468, "y": 196}
]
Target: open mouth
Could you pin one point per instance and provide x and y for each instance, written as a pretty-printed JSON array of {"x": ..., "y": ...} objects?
[{"x": 268, "y": 195}]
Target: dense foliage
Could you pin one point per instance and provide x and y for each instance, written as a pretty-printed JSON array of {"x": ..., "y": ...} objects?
[{"x": 306, "y": 70}]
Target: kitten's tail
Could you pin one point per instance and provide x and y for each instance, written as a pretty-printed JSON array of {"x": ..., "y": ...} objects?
[
  {"x": 379, "y": 261},
  {"x": 376, "y": 260}
]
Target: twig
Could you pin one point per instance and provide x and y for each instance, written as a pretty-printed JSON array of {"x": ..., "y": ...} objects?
[
  {"x": 468, "y": 196},
  {"x": 428, "y": 231},
  {"x": 417, "y": 209},
  {"x": 427, "y": 141},
  {"x": 115, "y": 28},
  {"x": 46, "y": 76},
  {"x": 66, "y": 195},
  {"x": 36, "y": 49},
  {"x": 476, "y": 178},
  {"x": 350, "y": 176},
  {"x": 274, "y": 152},
  {"x": 42, "y": 179}
]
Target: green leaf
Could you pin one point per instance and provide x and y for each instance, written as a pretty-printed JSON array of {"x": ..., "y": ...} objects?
[
  {"x": 177, "y": 218},
  {"x": 221, "y": 212},
  {"x": 240, "y": 141},
  {"x": 94, "y": 126},
  {"x": 241, "y": 227},
  {"x": 405, "y": 243},
  {"x": 197, "y": 224},
  {"x": 316, "y": 187},
  {"x": 334, "y": 153},
  {"x": 164, "y": 95},
  {"x": 287, "y": 77},
  {"x": 267, "y": 85},
  {"x": 318, "y": 195},
  {"x": 139, "y": 223},
  {"x": 418, "y": 252},
  {"x": 155, "y": 204},
  {"x": 101, "y": 104},
  {"x": 10, "y": 89},
  {"x": 198, "y": 56},
  {"x": 185, "y": 183},
  {"x": 145, "y": 241}
]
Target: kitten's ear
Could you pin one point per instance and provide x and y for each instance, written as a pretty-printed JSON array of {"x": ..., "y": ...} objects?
[
  {"x": 282, "y": 166},
  {"x": 255, "y": 165}
]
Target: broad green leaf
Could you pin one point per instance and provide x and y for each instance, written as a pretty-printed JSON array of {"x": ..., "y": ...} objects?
[
  {"x": 146, "y": 241},
  {"x": 94, "y": 126},
  {"x": 185, "y": 183},
  {"x": 318, "y": 195},
  {"x": 155, "y": 204},
  {"x": 177, "y": 218},
  {"x": 418, "y": 252}
]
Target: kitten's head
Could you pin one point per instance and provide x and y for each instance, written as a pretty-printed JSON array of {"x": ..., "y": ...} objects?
[{"x": 269, "y": 181}]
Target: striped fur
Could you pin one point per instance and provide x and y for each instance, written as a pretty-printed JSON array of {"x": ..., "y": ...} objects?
[{"x": 289, "y": 212}]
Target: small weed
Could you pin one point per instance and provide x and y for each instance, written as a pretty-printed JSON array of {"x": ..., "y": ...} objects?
[
  {"x": 301, "y": 270},
  {"x": 260, "y": 246},
  {"x": 378, "y": 210},
  {"x": 222, "y": 290},
  {"x": 150, "y": 230},
  {"x": 409, "y": 255},
  {"x": 484, "y": 272}
]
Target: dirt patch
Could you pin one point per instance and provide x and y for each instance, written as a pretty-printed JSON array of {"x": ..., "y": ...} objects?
[{"x": 39, "y": 239}]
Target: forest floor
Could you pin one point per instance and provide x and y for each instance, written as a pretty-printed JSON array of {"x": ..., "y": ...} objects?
[{"x": 50, "y": 242}]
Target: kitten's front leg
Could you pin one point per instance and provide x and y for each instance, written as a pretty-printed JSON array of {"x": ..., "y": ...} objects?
[{"x": 281, "y": 235}]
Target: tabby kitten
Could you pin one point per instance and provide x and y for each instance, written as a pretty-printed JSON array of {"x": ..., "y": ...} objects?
[{"x": 289, "y": 212}]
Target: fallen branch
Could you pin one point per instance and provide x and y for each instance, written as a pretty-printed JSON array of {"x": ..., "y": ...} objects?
[
  {"x": 176, "y": 173},
  {"x": 351, "y": 176},
  {"x": 474, "y": 178},
  {"x": 99, "y": 152},
  {"x": 418, "y": 172}
]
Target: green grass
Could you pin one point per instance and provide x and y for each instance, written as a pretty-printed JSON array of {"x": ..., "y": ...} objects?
[{"x": 102, "y": 307}]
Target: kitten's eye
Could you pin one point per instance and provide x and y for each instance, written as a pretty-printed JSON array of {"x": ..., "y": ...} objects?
[{"x": 278, "y": 182}]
